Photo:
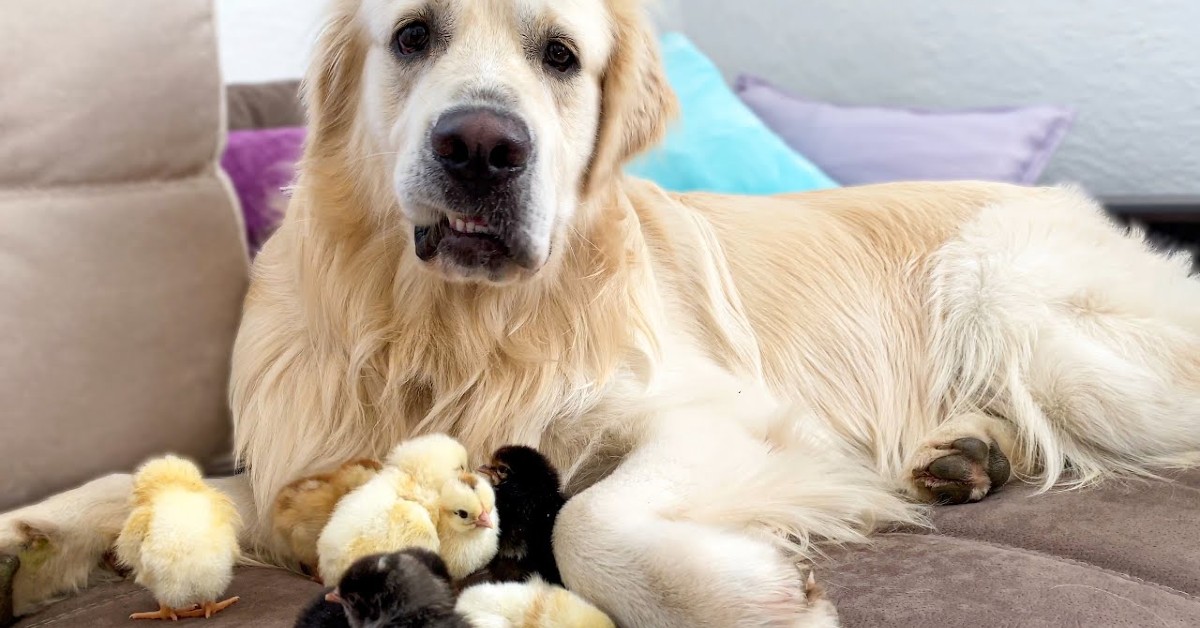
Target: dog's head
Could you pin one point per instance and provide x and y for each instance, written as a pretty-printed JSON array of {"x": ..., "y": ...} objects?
[{"x": 497, "y": 118}]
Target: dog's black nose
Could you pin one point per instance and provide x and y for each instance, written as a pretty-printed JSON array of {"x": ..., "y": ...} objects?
[{"x": 481, "y": 145}]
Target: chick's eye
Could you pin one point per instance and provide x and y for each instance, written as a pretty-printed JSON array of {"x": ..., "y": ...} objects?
[
  {"x": 462, "y": 514},
  {"x": 412, "y": 38},
  {"x": 560, "y": 57}
]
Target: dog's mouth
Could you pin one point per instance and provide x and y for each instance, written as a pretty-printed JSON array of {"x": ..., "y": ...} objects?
[{"x": 470, "y": 242}]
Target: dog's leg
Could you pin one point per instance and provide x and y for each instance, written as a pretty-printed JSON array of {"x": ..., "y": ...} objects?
[
  {"x": 64, "y": 540},
  {"x": 1080, "y": 335},
  {"x": 690, "y": 530},
  {"x": 963, "y": 460}
]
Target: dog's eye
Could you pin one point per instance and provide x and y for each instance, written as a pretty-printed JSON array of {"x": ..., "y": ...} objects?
[
  {"x": 412, "y": 38},
  {"x": 560, "y": 57}
]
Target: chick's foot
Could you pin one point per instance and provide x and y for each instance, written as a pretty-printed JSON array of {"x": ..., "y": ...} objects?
[
  {"x": 164, "y": 613},
  {"x": 208, "y": 609}
]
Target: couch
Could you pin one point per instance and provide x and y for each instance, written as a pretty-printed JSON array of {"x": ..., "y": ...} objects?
[{"x": 123, "y": 261}]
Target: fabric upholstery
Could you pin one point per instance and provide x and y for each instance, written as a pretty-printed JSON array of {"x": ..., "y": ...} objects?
[
  {"x": 269, "y": 598},
  {"x": 92, "y": 95},
  {"x": 918, "y": 581},
  {"x": 264, "y": 105},
  {"x": 1118, "y": 555},
  {"x": 122, "y": 264},
  {"x": 1138, "y": 528}
]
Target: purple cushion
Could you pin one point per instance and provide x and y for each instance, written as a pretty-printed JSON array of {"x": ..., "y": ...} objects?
[
  {"x": 261, "y": 163},
  {"x": 857, "y": 145}
]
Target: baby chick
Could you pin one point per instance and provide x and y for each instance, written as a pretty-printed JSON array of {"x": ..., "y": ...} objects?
[
  {"x": 430, "y": 460},
  {"x": 529, "y": 498},
  {"x": 408, "y": 588},
  {"x": 322, "y": 612},
  {"x": 180, "y": 540},
  {"x": 396, "y": 509},
  {"x": 380, "y": 516},
  {"x": 467, "y": 525},
  {"x": 533, "y": 604},
  {"x": 304, "y": 507}
]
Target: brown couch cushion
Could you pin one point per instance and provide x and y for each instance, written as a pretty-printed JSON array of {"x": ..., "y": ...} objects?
[
  {"x": 1147, "y": 530},
  {"x": 920, "y": 581},
  {"x": 122, "y": 265},
  {"x": 265, "y": 105},
  {"x": 1119, "y": 555},
  {"x": 270, "y": 598}
]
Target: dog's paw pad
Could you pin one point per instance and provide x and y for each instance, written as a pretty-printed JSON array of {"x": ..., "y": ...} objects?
[{"x": 966, "y": 470}]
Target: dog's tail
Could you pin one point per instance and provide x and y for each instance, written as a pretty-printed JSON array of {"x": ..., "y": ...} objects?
[{"x": 803, "y": 493}]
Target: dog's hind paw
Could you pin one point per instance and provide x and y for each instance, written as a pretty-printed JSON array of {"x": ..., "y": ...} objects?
[{"x": 963, "y": 470}]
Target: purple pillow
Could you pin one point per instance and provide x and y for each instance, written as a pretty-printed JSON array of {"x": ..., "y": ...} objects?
[
  {"x": 857, "y": 145},
  {"x": 261, "y": 163}
]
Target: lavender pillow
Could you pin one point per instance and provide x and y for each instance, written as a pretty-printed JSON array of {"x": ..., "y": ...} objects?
[
  {"x": 261, "y": 163},
  {"x": 857, "y": 145}
]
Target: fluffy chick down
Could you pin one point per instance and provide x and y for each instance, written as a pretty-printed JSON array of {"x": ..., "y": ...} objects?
[
  {"x": 408, "y": 588},
  {"x": 468, "y": 525},
  {"x": 304, "y": 507},
  {"x": 533, "y": 604},
  {"x": 396, "y": 509},
  {"x": 529, "y": 497},
  {"x": 180, "y": 539}
]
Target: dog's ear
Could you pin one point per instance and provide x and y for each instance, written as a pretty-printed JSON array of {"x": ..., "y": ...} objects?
[
  {"x": 637, "y": 102},
  {"x": 331, "y": 84}
]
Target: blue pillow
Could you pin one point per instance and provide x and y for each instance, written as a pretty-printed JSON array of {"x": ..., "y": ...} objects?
[{"x": 718, "y": 144}]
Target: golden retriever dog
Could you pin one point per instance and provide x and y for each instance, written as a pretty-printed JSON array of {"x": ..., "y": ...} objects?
[{"x": 726, "y": 382}]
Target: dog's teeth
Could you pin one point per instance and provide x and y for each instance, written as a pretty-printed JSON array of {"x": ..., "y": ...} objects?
[{"x": 459, "y": 225}]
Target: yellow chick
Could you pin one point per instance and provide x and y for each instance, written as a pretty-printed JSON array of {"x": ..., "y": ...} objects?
[
  {"x": 180, "y": 540},
  {"x": 532, "y": 604},
  {"x": 430, "y": 460},
  {"x": 304, "y": 507},
  {"x": 395, "y": 510},
  {"x": 468, "y": 525}
]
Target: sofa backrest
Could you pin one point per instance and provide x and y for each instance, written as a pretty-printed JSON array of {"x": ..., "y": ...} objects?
[{"x": 122, "y": 263}]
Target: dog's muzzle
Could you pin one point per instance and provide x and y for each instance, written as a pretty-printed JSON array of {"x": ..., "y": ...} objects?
[{"x": 481, "y": 155}]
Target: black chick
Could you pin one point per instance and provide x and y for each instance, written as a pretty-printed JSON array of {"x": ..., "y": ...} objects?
[
  {"x": 528, "y": 499},
  {"x": 404, "y": 589},
  {"x": 323, "y": 612}
]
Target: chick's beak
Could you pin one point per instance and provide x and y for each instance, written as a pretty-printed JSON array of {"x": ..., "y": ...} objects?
[
  {"x": 485, "y": 520},
  {"x": 333, "y": 596},
  {"x": 490, "y": 472}
]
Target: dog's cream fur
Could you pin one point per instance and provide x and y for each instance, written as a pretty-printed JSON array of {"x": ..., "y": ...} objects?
[{"x": 725, "y": 381}]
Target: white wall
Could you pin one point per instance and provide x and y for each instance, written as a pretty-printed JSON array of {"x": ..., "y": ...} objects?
[
  {"x": 1131, "y": 68},
  {"x": 265, "y": 40}
]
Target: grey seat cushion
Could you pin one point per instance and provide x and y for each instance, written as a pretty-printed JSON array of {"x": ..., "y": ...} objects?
[
  {"x": 1120, "y": 555},
  {"x": 930, "y": 580},
  {"x": 270, "y": 598}
]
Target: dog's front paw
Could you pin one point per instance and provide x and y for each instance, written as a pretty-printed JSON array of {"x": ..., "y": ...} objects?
[{"x": 960, "y": 471}]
